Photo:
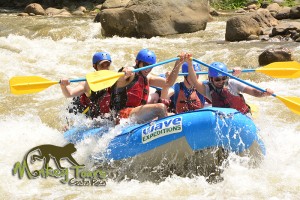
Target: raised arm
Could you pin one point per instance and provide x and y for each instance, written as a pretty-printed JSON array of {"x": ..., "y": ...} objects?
[
  {"x": 172, "y": 77},
  {"x": 200, "y": 87}
]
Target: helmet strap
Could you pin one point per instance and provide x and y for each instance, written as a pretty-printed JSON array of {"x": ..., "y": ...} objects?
[
  {"x": 213, "y": 87},
  {"x": 210, "y": 79}
]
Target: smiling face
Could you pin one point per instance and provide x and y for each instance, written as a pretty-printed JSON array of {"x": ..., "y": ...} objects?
[
  {"x": 144, "y": 72},
  {"x": 219, "y": 82}
]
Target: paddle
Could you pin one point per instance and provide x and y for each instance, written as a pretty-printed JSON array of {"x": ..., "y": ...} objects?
[
  {"x": 293, "y": 103},
  {"x": 32, "y": 84},
  {"x": 97, "y": 80},
  {"x": 105, "y": 78},
  {"x": 289, "y": 69}
]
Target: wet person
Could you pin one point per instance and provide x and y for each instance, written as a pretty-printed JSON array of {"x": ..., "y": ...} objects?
[
  {"x": 130, "y": 93},
  {"x": 224, "y": 92},
  {"x": 92, "y": 104}
]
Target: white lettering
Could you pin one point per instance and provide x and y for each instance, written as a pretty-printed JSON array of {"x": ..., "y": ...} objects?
[{"x": 166, "y": 127}]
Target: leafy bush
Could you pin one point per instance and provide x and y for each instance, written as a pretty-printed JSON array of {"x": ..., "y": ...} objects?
[
  {"x": 228, "y": 4},
  {"x": 290, "y": 3},
  {"x": 235, "y": 4}
]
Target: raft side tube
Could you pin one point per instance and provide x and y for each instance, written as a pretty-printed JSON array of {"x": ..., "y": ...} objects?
[{"x": 221, "y": 127}]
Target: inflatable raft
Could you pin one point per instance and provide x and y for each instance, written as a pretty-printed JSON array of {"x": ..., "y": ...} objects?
[{"x": 200, "y": 138}]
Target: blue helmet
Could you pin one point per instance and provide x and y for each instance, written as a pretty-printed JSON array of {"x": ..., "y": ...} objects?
[
  {"x": 99, "y": 56},
  {"x": 214, "y": 73},
  {"x": 147, "y": 56},
  {"x": 196, "y": 66}
]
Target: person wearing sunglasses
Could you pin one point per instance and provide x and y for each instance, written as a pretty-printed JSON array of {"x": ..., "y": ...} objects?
[
  {"x": 224, "y": 92},
  {"x": 130, "y": 93},
  {"x": 92, "y": 104}
]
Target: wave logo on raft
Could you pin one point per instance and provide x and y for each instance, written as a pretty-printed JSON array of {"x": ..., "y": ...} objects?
[
  {"x": 160, "y": 129},
  {"x": 80, "y": 176}
]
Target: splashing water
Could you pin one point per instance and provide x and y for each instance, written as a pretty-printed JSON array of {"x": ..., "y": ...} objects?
[{"x": 60, "y": 48}]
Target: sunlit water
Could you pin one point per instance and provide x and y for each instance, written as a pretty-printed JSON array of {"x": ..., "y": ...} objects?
[{"x": 54, "y": 48}]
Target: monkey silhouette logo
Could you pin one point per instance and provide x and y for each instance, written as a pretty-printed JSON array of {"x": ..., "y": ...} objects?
[{"x": 48, "y": 151}]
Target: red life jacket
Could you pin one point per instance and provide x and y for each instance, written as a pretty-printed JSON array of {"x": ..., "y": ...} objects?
[
  {"x": 225, "y": 99},
  {"x": 95, "y": 105},
  {"x": 101, "y": 101},
  {"x": 85, "y": 102},
  {"x": 186, "y": 102},
  {"x": 132, "y": 95}
]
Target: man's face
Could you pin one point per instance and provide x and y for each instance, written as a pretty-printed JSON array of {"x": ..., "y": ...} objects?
[
  {"x": 103, "y": 65},
  {"x": 220, "y": 81}
]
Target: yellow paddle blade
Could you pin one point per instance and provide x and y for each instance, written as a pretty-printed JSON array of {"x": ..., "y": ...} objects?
[
  {"x": 29, "y": 84},
  {"x": 286, "y": 64},
  {"x": 289, "y": 69},
  {"x": 280, "y": 72},
  {"x": 293, "y": 103},
  {"x": 102, "y": 79}
]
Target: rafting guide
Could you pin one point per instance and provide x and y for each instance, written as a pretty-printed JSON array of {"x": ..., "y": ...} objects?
[
  {"x": 163, "y": 128},
  {"x": 75, "y": 175}
]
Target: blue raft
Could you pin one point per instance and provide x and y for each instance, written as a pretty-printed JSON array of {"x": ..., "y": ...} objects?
[{"x": 202, "y": 129}]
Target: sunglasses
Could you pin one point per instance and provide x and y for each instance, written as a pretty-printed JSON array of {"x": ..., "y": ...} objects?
[
  {"x": 145, "y": 64},
  {"x": 218, "y": 79}
]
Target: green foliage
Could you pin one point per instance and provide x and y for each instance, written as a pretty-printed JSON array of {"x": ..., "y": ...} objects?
[
  {"x": 228, "y": 4},
  {"x": 290, "y": 3},
  {"x": 97, "y": 10},
  {"x": 235, "y": 4}
]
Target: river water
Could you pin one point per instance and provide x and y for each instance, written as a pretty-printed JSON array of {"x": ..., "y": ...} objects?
[{"x": 53, "y": 48}]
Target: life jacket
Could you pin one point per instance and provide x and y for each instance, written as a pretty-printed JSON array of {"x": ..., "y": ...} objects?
[
  {"x": 225, "y": 99},
  {"x": 79, "y": 104},
  {"x": 101, "y": 101},
  {"x": 132, "y": 95},
  {"x": 185, "y": 99},
  {"x": 95, "y": 105}
]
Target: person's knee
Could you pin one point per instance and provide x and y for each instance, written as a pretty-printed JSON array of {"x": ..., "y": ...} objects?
[
  {"x": 161, "y": 106},
  {"x": 162, "y": 109},
  {"x": 153, "y": 98}
]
